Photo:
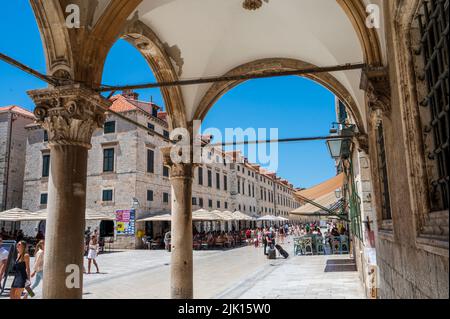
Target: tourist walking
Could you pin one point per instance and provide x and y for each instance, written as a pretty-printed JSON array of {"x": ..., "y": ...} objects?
[
  {"x": 92, "y": 253},
  {"x": 21, "y": 271},
  {"x": 167, "y": 238},
  {"x": 4, "y": 254},
  {"x": 38, "y": 270}
]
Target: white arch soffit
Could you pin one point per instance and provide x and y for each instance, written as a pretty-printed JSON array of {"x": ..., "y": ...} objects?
[
  {"x": 381, "y": 30},
  {"x": 215, "y": 36}
]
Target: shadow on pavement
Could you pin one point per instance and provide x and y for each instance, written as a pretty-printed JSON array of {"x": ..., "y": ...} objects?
[{"x": 340, "y": 265}]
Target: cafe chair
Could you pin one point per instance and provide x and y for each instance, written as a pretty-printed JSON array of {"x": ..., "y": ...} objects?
[{"x": 344, "y": 249}]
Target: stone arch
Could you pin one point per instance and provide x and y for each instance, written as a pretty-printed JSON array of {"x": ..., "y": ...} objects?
[
  {"x": 368, "y": 37},
  {"x": 78, "y": 54},
  {"x": 150, "y": 46},
  {"x": 55, "y": 37},
  {"x": 278, "y": 64}
]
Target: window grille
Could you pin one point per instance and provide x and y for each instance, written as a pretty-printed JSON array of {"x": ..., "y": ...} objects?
[
  {"x": 382, "y": 169},
  {"x": 434, "y": 32}
]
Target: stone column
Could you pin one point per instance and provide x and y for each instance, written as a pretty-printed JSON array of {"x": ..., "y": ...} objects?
[
  {"x": 181, "y": 277},
  {"x": 70, "y": 114}
]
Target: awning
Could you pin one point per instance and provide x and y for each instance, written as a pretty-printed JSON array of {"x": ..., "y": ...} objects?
[
  {"x": 328, "y": 200},
  {"x": 322, "y": 189}
]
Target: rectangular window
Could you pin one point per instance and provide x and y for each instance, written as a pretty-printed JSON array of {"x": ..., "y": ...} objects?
[
  {"x": 194, "y": 201},
  {"x": 165, "y": 171},
  {"x": 166, "y": 134},
  {"x": 150, "y": 161},
  {"x": 218, "y": 204},
  {"x": 45, "y": 165},
  {"x": 108, "y": 160},
  {"x": 225, "y": 182},
  {"x": 239, "y": 186},
  {"x": 434, "y": 31},
  {"x": 44, "y": 199},
  {"x": 45, "y": 136},
  {"x": 200, "y": 176},
  {"x": 165, "y": 198},
  {"x": 150, "y": 126},
  {"x": 226, "y": 205},
  {"x": 210, "y": 203},
  {"x": 107, "y": 195},
  {"x": 382, "y": 168},
  {"x": 149, "y": 195},
  {"x": 200, "y": 202},
  {"x": 209, "y": 178},
  {"x": 109, "y": 127},
  {"x": 217, "y": 180}
]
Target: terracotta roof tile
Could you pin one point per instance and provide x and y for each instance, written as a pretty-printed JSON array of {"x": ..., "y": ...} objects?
[
  {"x": 123, "y": 104},
  {"x": 16, "y": 109}
]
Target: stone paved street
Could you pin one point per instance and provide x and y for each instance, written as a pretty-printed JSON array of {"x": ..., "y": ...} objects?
[{"x": 239, "y": 273}]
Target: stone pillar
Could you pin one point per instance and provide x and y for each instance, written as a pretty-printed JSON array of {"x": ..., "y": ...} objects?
[
  {"x": 181, "y": 178},
  {"x": 70, "y": 114}
]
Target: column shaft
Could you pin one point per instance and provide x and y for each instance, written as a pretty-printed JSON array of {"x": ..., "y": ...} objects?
[
  {"x": 66, "y": 223},
  {"x": 181, "y": 238}
]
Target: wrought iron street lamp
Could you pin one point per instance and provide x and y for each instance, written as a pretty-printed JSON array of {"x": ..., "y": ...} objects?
[
  {"x": 339, "y": 147},
  {"x": 335, "y": 148}
]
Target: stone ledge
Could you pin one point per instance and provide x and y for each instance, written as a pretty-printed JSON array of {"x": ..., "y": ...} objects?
[
  {"x": 386, "y": 234},
  {"x": 433, "y": 244}
]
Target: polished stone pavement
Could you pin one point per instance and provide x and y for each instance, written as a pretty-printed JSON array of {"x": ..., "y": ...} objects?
[{"x": 233, "y": 274}]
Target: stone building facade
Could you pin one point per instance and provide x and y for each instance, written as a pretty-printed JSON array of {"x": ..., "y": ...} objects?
[
  {"x": 13, "y": 141},
  {"x": 125, "y": 170},
  {"x": 410, "y": 149}
]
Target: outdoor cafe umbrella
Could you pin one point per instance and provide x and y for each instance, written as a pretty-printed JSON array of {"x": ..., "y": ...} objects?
[
  {"x": 43, "y": 215},
  {"x": 157, "y": 218},
  {"x": 241, "y": 216},
  {"x": 225, "y": 215},
  {"x": 268, "y": 218},
  {"x": 14, "y": 215},
  {"x": 205, "y": 215}
]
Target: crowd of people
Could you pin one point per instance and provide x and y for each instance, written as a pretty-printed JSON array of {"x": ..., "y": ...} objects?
[{"x": 22, "y": 286}]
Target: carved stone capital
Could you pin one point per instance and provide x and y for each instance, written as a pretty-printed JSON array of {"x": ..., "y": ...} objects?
[
  {"x": 375, "y": 82},
  {"x": 177, "y": 170},
  {"x": 70, "y": 114}
]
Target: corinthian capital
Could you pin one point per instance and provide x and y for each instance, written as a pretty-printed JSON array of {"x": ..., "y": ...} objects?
[
  {"x": 70, "y": 114},
  {"x": 177, "y": 169},
  {"x": 375, "y": 82}
]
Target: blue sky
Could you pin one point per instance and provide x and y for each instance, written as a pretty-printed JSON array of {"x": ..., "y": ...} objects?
[{"x": 296, "y": 106}]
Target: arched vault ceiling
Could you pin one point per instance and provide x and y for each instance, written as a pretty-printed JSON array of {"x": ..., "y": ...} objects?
[{"x": 211, "y": 37}]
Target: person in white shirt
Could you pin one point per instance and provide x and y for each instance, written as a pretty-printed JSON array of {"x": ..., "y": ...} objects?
[
  {"x": 92, "y": 253},
  {"x": 38, "y": 264}
]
